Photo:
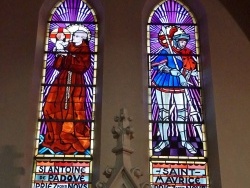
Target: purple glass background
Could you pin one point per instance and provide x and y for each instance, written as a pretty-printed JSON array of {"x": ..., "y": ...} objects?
[
  {"x": 172, "y": 13},
  {"x": 71, "y": 11},
  {"x": 156, "y": 47},
  {"x": 168, "y": 13}
]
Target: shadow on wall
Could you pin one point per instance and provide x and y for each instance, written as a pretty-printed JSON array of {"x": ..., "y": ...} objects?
[{"x": 9, "y": 171}]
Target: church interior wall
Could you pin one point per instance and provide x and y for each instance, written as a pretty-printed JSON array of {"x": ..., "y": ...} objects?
[{"x": 122, "y": 78}]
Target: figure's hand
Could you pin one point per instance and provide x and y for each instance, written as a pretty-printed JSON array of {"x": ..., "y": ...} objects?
[
  {"x": 62, "y": 53},
  {"x": 175, "y": 72},
  {"x": 164, "y": 68},
  {"x": 183, "y": 80},
  {"x": 194, "y": 73}
]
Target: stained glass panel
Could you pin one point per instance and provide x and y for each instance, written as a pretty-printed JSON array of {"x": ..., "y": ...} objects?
[
  {"x": 66, "y": 116},
  {"x": 179, "y": 175},
  {"x": 176, "y": 117},
  {"x": 66, "y": 174},
  {"x": 177, "y": 138}
]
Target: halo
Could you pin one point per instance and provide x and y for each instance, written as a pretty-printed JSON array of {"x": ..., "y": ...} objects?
[
  {"x": 74, "y": 28},
  {"x": 179, "y": 31},
  {"x": 59, "y": 30},
  {"x": 168, "y": 28}
]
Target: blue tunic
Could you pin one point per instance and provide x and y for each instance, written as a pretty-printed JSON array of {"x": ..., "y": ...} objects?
[{"x": 165, "y": 79}]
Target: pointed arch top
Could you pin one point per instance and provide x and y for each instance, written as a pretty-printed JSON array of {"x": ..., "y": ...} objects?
[
  {"x": 73, "y": 11},
  {"x": 171, "y": 12}
]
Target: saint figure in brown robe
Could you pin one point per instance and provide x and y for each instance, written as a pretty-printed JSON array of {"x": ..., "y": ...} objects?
[{"x": 64, "y": 106}]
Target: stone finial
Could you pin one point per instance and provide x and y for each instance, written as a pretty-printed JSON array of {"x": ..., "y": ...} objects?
[
  {"x": 123, "y": 126},
  {"x": 108, "y": 172},
  {"x": 136, "y": 172},
  {"x": 122, "y": 174},
  {"x": 101, "y": 184}
]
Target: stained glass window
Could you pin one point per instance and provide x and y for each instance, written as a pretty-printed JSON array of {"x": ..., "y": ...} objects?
[
  {"x": 178, "y": 151},
  {"x": 65, "y": 128}
]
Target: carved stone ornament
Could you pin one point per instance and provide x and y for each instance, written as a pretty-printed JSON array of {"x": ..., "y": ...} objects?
[{"x": 122, "y": 175}]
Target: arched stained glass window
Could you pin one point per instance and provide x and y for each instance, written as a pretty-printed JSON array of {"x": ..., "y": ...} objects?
[
  {"x": 64, "y": 145},
  {"x": 178, "y": 152}
]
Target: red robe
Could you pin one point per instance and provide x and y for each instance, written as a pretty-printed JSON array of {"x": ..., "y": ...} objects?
[
  {"x": 188, "y": 62},
  {"x": 65, "y": 102}
]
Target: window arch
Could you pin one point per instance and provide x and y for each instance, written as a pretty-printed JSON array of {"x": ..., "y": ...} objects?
[
  {"x": 65, "y": 128},
  {"x": 178, "y": 151}
]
